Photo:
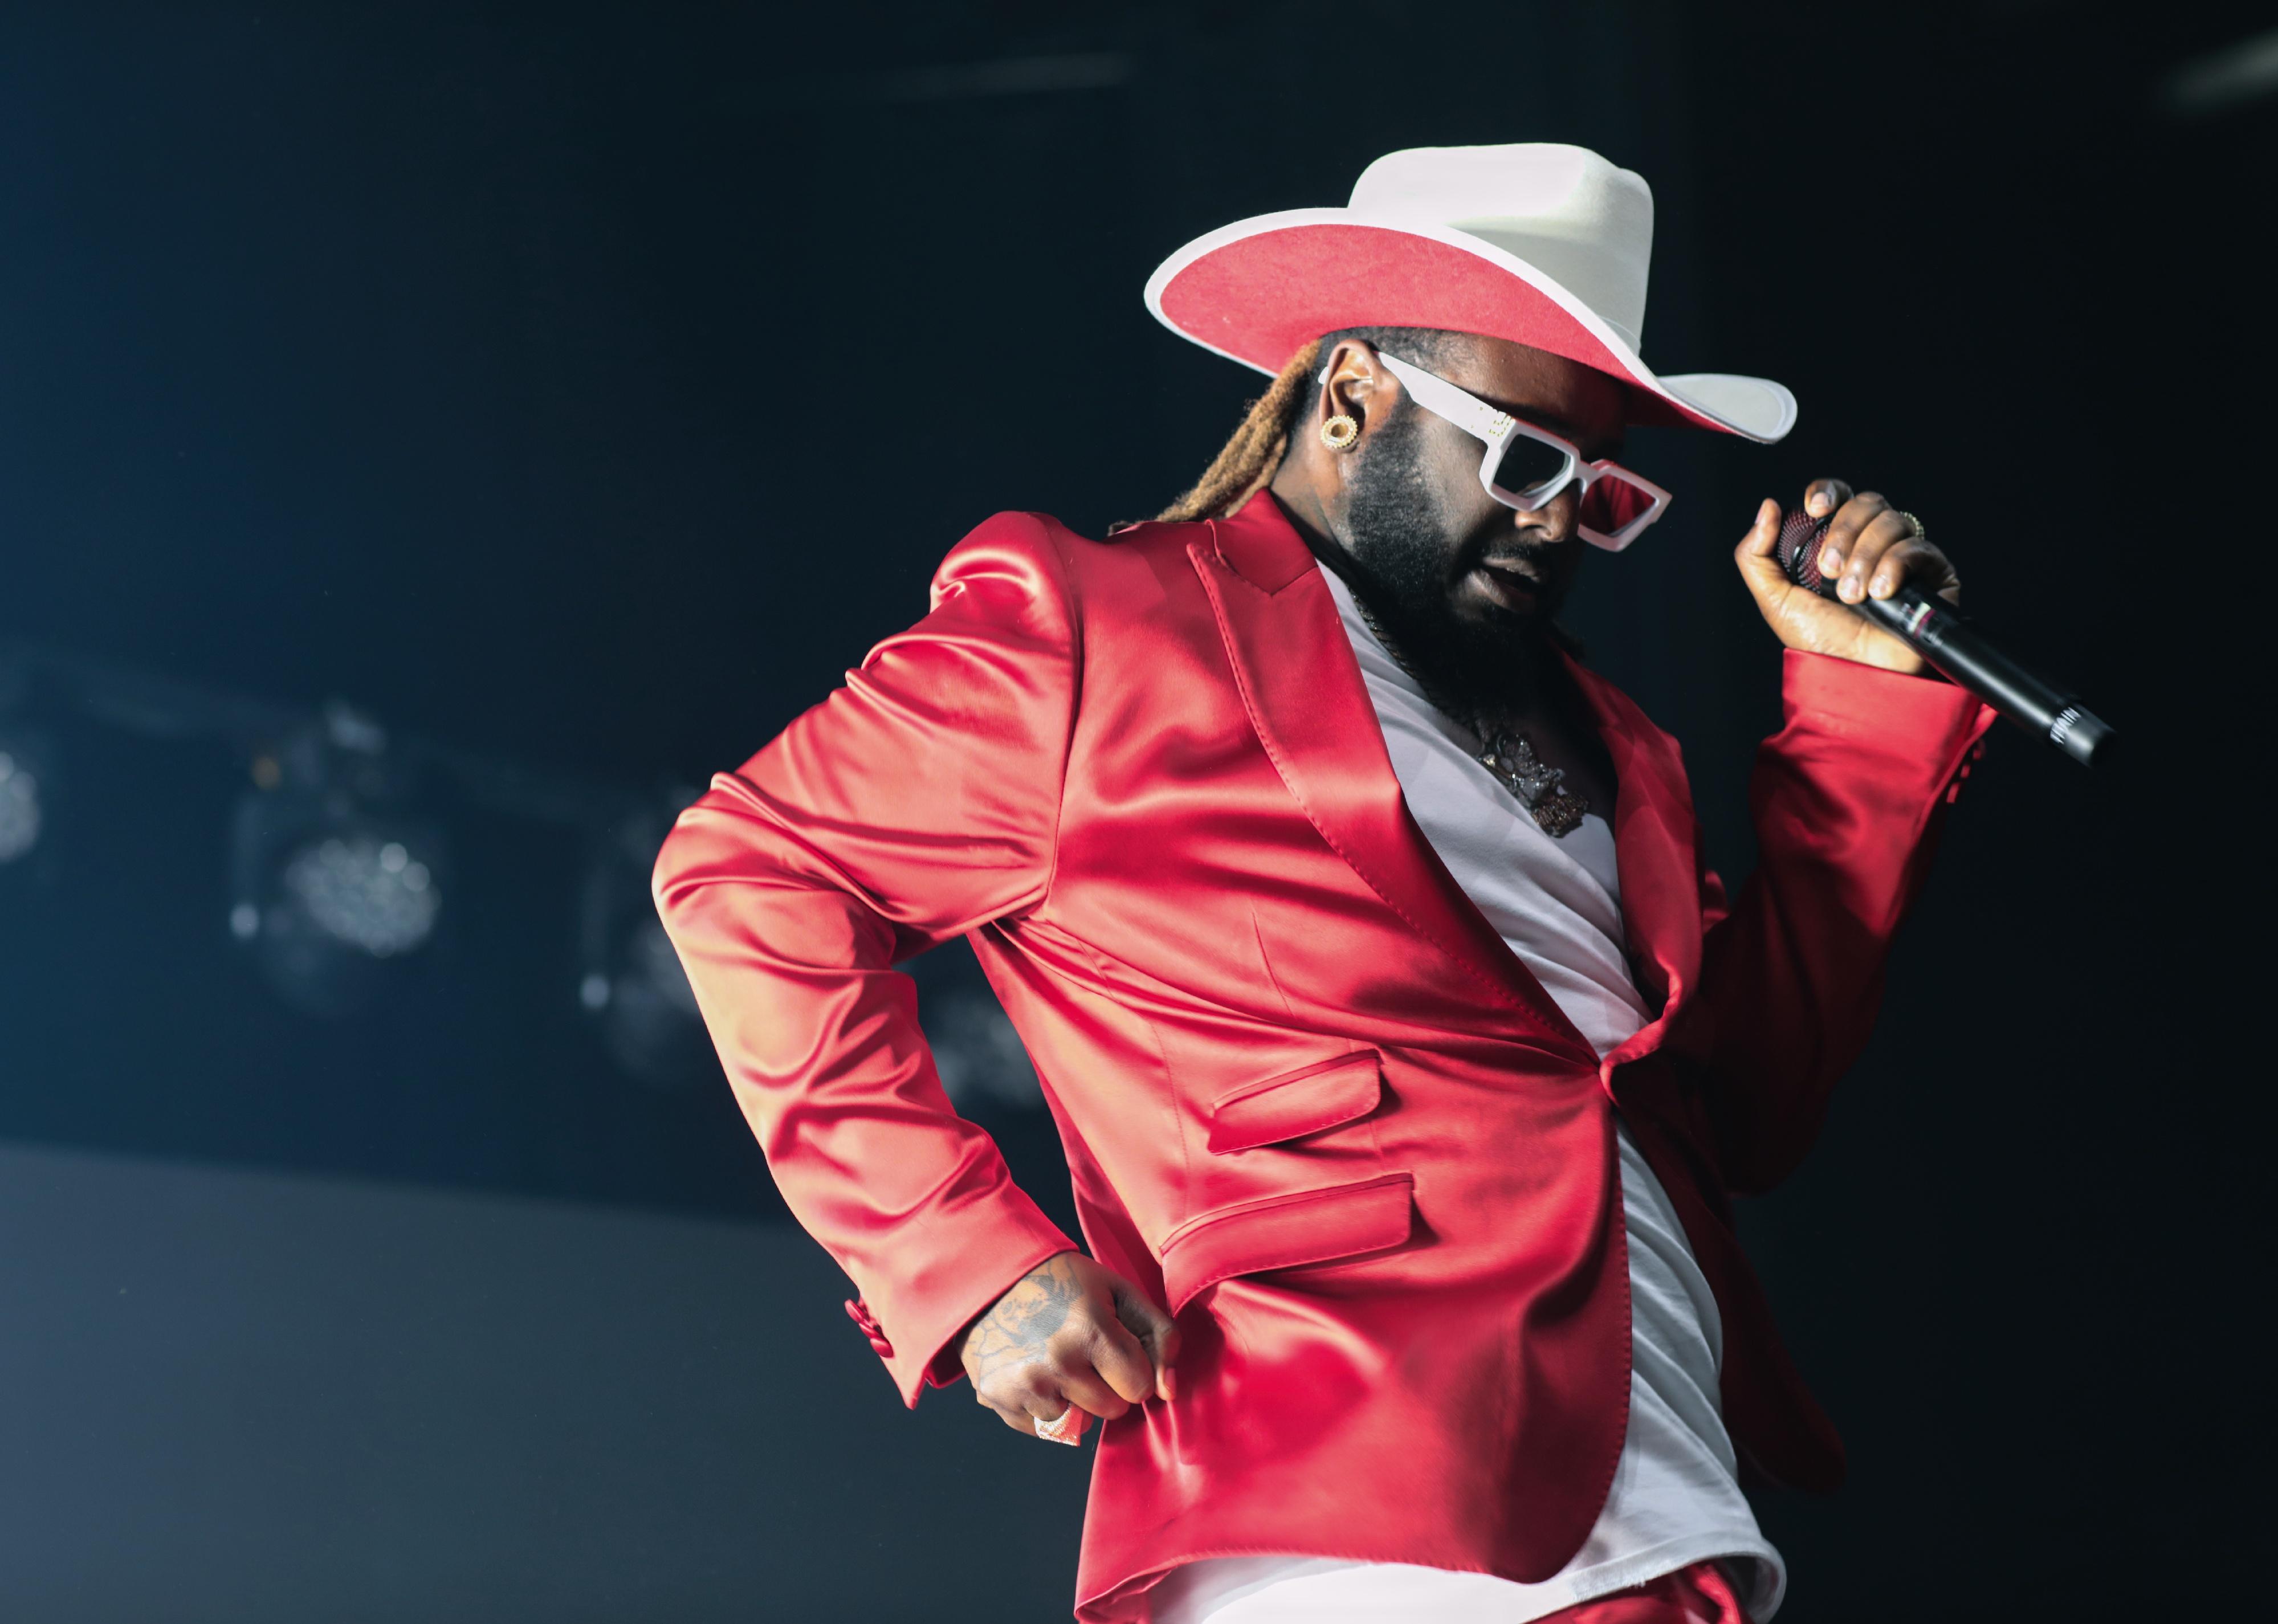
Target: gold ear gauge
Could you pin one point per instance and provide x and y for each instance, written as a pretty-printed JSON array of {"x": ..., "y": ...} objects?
[{"x": 1339, "y": 432}]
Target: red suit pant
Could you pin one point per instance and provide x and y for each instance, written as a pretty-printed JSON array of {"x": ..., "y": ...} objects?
[{"x": 1695, "y": 1595}]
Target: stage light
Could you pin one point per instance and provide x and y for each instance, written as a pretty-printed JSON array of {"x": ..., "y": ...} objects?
[
  {"x": 331, "y": 875},
  {"x": 2225, "y": 80},
  {"x": 28, "y": 792},
  {"x": 366, "y": 892},
  {"x": 20, "y": 814},
  {"x": 630, "y": 980},
  {"x": 983, "y": 1065}
]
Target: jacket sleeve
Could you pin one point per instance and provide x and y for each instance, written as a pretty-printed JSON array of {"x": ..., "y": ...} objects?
[
  {"x": 1847, "y": 799},
  {"x": 918, "y": 802}
]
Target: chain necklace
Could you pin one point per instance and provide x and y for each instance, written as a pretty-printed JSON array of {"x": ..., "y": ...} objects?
[{"x": 1556, "y": 810}]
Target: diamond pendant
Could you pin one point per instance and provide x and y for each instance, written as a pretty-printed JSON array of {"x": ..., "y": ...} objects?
[
  {"x": 1560, "y": 812},
  {"x": 1556, "y": 810}
]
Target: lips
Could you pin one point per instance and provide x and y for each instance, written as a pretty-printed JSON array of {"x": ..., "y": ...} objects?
[
  {"x": 1512, "y": 586},
  {"x": 1519, "y": 573}
]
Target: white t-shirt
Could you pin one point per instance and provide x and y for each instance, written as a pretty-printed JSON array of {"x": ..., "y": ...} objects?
[{"x": 1676, "y": 1498}]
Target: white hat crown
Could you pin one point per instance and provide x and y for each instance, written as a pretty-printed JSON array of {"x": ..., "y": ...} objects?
[{"x": 1562, "y": 210}]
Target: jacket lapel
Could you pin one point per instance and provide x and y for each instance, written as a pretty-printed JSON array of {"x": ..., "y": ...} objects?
[
  {"x": 1303, "y": 691},
  {"x": 1654, "y": 845}
]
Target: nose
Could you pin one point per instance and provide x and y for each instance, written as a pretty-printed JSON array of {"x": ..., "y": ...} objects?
[{"x": 1557, "y": 519}]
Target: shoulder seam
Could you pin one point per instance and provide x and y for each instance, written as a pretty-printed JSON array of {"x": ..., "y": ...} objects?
[{"x": 1055, "y": 536}]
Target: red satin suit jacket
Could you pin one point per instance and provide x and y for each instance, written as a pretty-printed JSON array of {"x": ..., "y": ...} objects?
[{"x": 1309, "y": 1097}]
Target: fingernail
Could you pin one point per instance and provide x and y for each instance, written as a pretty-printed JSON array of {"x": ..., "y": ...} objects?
[
  {"x": 1817, "y": 503},
  {"x": 1849, "y": 591},
  {"x": 1880, "y": 587},
  {"x": 1829, "y": 562}
]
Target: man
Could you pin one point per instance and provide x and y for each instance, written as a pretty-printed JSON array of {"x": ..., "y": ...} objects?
[{"x": 1405, "y": 1053}]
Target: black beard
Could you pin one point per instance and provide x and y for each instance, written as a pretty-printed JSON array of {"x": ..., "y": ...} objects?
[{"x": 1404, "y": 558}]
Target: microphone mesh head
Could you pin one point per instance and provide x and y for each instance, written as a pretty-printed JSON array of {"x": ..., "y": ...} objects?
[{"x": 1798, "y": 551}]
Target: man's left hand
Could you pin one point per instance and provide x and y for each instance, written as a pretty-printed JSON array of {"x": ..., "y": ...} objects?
[{"x": 1869, "y": 549}]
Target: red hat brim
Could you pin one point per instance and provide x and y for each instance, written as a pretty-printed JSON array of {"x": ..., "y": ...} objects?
[{"x": 1257, "y": 291}]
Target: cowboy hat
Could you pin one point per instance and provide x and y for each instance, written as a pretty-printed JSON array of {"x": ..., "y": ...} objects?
[{"x": 1540, "y": 244}]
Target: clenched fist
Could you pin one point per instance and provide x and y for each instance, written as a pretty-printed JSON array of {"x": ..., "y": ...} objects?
[
  {"x": 1069, "y": 1333},
  {"x": 1871, "y": 548}
]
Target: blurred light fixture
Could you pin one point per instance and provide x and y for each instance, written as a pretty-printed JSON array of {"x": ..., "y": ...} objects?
[
  {"x": 948, "y": 81},
  {"x": 984, "y": 1067},
  {"x": 365, "y": 891},
  {"x": 630, "y": 980},
  {"x": 2224, "y": 81},
  {"x": 21, "y": 811},
  {"x": 331, "y": 876}
]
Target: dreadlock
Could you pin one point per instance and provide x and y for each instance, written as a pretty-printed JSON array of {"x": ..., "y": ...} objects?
[{"x": 1247, "y": 462}]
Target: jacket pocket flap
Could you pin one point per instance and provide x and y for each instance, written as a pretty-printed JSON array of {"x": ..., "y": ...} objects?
[
  {"x": 1295, "y": 1103},
  {"x": 1283, "y": 1232}
]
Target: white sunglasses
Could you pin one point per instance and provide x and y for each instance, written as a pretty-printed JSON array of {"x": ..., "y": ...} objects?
[{"x": 1525, "y": 467}]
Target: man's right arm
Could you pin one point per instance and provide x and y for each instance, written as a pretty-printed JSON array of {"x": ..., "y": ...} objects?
[{"x": 920, "y": 801}]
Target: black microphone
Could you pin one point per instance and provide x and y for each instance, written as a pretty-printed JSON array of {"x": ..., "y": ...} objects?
[{"x": 1936, "y": 631}]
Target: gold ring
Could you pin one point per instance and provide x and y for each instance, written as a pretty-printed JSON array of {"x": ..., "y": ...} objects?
[{"x": 1920, "y": 533}]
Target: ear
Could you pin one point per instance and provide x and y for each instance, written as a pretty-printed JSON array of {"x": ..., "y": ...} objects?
[
  {"x": 1359, "y": 386},
  {"x": 1311, "y": 481}
]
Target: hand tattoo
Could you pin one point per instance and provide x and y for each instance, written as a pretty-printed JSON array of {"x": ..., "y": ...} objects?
[
  {"x": 1069, "y": 1335},
  {"x": 1015, "y": 1332}
]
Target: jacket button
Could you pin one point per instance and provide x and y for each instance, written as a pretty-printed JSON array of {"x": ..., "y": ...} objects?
[{"x": 867, "y": 1323}]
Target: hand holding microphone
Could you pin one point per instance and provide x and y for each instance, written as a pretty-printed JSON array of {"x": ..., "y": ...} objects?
[{"x": 1861, "y": 551}]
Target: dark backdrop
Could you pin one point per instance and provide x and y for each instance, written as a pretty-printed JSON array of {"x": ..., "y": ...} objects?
[{"x": 589, "y": 386}]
